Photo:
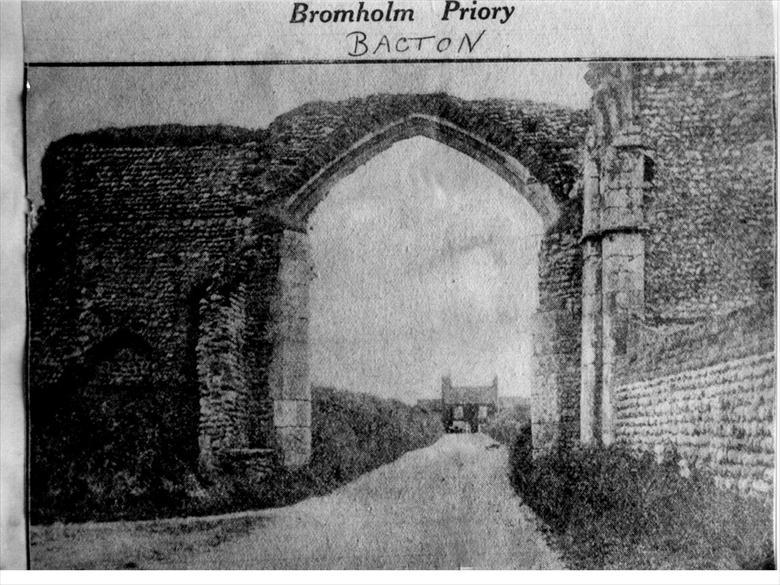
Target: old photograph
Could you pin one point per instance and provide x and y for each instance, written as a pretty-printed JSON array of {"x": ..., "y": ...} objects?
[{"x": 414, "y": 307}]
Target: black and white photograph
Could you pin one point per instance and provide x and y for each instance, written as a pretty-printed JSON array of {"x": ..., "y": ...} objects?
[{"x": 393, "y": 285}]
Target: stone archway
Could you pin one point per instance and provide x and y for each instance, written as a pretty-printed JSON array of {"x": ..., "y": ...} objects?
[
  {"x": 301, "y": 203},
  {"x": 289, "y": 382},
  {"x": 557, "y": 346},
  {"x": 150, "y": 229},
  {"x": 213, "y": 268}
]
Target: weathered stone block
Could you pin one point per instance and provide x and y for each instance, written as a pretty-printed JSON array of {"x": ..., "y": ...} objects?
[
  {"x": 295, "y": 445},
  {"x": 292, "y": 413}
]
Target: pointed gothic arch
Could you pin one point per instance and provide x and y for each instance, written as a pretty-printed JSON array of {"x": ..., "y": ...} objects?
[{"x": 303, "y": 201}]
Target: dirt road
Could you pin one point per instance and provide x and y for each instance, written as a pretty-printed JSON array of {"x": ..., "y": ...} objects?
[{"x": 448, "y": 506}]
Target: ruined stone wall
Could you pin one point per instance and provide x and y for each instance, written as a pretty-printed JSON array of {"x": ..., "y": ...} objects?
[
  {"x": 557, "y": 335},
  {"x": 135, "y": 226},
  {"x": 709, "y": 129},
  {"x": 186, "y": 238},
  {"x": 709, "y": 391},
  {"x": 222, "y": 373},
  {"x": 128, "y": 234},
  {"x": 289, "y": 380}
]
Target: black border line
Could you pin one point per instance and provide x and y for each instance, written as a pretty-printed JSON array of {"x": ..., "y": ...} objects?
[{"x": 359, "y": 61}]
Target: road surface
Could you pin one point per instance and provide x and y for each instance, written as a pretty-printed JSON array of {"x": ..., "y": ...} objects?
[{"x": 447, "y": 506}]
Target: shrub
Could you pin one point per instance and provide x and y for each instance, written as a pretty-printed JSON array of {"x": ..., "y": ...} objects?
[
  {"x": 352, "y": 434},
  {"x": 100, "y": 473},
  {"x": 372, "y": 429},
  {"x": 110, "y": 453},
  {"x": 607, "y": 508},
  {"x": 508, "y": 424}
]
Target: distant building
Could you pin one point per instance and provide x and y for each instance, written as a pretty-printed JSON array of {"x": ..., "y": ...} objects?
[{"x": 466, "y": 408}]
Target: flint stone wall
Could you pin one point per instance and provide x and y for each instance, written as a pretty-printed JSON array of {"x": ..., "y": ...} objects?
[
  {"x": 701, "y": 373},
  {"x": 702, "y": 214},
  {"x": 708, "y": 390},
  {"x": 557, "y": 334},
  {"x": 709, "y": 129}
]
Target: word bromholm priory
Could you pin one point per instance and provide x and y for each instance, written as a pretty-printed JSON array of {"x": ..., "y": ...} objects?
[{"x": 302, "y": 13}]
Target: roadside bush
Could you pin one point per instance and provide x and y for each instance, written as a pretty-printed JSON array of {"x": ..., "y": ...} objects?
[
  {"x": 508, "y": 424},
  {"x": 608, "y": 509},
  {"x": 124, "y": 463},
  {"x": 110, "y": 453},
  {"x": 352, "y": 434}
]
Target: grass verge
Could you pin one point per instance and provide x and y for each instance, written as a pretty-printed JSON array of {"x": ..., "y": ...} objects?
[{"x": 607, "y": 509}]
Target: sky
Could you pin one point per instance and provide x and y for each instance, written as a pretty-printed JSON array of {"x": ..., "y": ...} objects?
[
  {"x": 425, "y": 259},
  {"x": 62, "y": 101},
  {"x": 434, "y": 266}
]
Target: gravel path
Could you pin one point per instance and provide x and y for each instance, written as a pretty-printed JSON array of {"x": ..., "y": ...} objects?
[{"x": 447, "y": 506}]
